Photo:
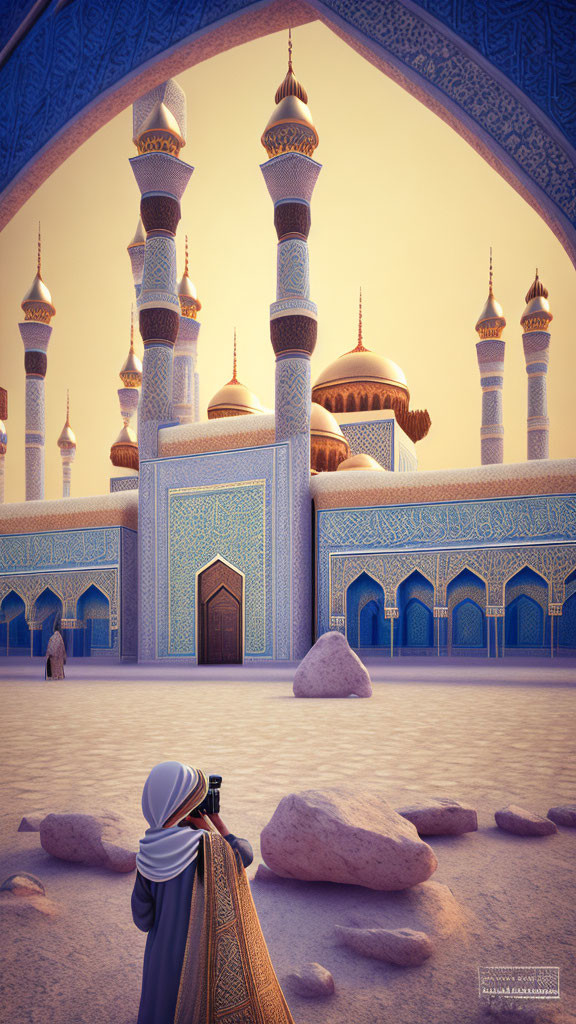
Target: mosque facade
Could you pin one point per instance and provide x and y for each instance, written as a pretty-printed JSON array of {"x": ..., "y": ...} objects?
[{"x": 244, "y": 537}]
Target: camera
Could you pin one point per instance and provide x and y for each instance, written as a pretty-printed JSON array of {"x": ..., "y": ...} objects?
[{"x": 211, "y": 802}]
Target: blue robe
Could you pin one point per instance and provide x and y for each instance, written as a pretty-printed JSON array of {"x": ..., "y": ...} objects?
[{"x": 163, "y": 910}]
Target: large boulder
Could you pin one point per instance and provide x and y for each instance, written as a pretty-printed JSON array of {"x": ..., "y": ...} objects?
[
  {"x": 441, "y": 817},
  {"x": 331, "y": 669},
  {"x": 336, "y": 835},
  {"x": 88, "y": 839},
  {"x": 565, "y": 815},
  {"x": 402, "y": 946},
  {"x": 523, "y": 823}
]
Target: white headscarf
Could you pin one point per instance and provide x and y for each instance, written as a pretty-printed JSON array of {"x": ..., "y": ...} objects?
[{"x": 165, "y": 852}]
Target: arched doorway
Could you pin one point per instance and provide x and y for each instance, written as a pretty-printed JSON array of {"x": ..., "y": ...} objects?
[
  {"x": 415, "y": 599},
  {"x": 526, "y": 611},
  {"x": 94, "y": 610},
  {"x": 14, "y": 628},
  {"x": 365, "y": 622},
  {"x": 466, "y": 597},
  {"x": 220, "y": 615}
]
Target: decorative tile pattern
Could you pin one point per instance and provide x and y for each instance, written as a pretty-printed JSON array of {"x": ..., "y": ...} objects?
[
  {"x": 290, "y": 176},
  {"x": 293, "y": 276},
  {"x": 160, "y": 172},
  {"x": 123, "y": 483},
  {"x": 375, "y": 438}
]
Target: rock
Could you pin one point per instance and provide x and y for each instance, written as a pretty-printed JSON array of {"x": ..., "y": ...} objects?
[
  {"x": 331, "y": 669},
  {"x": 441, "y": 817},
  {"x": 87, "y": 839},
  {"x": 523, "y": 823},
  {"x": 402, "y": 946},
  {"x": 30, "y": 823},
  {"x": 313, "y": 981},
  {"x": 23, "y": 884},
  {"x": 337, "y": 835},
  {"x": 565, "y": 815}
]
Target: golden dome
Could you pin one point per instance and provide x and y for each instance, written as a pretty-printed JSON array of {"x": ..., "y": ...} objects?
[
  {"x": 139, "y": 235},
  {"x": 234, "y": 399},
  {"x": 361, "y": 461},
  {"x": 537, "y": 305},
  {"x": 362, "y": 365},
  {"x": 67, "y": 437},
  {"x": 491, "y": 311},
  {"x": 189, "y": 301},
  {"x": 131, "y": 372},
  {"x": 124, "y": 451},
  {"x": 322, "y": 423},
  {"x": 290, "y": 128},
  {"x": 37, "y": 303},
  {"x": 160, "y": 132}
]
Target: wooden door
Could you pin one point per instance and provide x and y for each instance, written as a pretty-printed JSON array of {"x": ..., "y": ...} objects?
[{"x": 220, "y": 595}]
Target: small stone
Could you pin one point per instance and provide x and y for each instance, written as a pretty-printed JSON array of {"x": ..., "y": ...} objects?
[
  {"x": 86, "y": 839},
  {"x": 345, "y": 835},
  {"x": 441, "y": 817},
  {"x": 313, "y": 981},
  {"x": 523, "y": 823},
  {"x": 23, "y": 884},
  {"x": 402, "y": 946},
  {"x": 565, "y": 815},
  {"x": 30, "y": 823},
  {"x": 331, "y": 669}
]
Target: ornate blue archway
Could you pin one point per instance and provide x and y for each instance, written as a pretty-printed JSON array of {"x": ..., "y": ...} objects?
[{"x": 500, "y": 74}]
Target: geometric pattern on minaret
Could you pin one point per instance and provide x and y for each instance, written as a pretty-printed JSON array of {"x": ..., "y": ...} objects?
[
  {"x": 35, "y": 332},
  {"x": 159, "y": 134},
  {"x": 490, "y": 351},
  {"x": 67, "y": 445},
  {"x": 185, "y": 350},
  {"x": 290, "y": 175},
  {"x": 536, "y": 339}
]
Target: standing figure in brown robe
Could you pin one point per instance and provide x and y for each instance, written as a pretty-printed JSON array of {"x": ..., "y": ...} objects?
[{"x": 55, "y": 655}]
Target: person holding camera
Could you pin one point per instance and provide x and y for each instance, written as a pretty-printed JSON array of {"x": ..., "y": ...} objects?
[{"x": 192, "y": 897}]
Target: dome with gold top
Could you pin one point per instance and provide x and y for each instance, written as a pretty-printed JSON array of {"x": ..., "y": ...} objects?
[
  {"x": 537, "y": 312},
  {"x": 328, "y": 446},
  {"x": 124, "y": 451},
  {"x": 131, "y": 372},
  {"x": 37, "y": 303},
  {"x": 361, "y": 380},
  {"x": 491, "y": 321},
  {"x": 189, "y": 302},
  {"x": 290, "y": 128},
  {"x": 160, "y": 132},
  {"x": 67, "y": 439},
  {"x": 234, "y": 399}
]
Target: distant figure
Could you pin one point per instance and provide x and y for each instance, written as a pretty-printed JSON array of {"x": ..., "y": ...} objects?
[
  {"x": 206, "y": 959},
  {"x": 55, "y": 655}
]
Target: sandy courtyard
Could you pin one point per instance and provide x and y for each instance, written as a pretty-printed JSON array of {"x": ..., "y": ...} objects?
[{"x": 488, "y": 734}]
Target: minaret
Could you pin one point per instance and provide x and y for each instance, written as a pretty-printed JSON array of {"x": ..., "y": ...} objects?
[
  {"x": 67, "y": 446},
  {"x": 124, "y": 451},
  {"x": 162, "y": 178},
  {"x": 290, "y": 173},
  {"x": 185, "y": 350},
  {"x": 490, "y": 350},
  {"x": 536, "y": 338},
  {"x": 35, "y": 332}
]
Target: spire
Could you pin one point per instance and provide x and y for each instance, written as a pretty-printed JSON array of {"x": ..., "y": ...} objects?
[
  {"x": 234, "y": 379},
  {"x": 290, "y": 86},
  {"x": 67, "y": 424},
  {"x": 491, "y": 311},
  {"x": 290, "y": 68},
  {"x": 186, "y": 257},
  {"x": 132, "y": 327},
  {"x": 131, "y": 372},
  {"x": 490, "y": 292},
  {"x": 537, "y": 289},
  {"x": 67, "y": 440},
  {"x": 37, "y": 303},
  {"x": 360, "y": 346},
  {"x": 39, "y": 271}
]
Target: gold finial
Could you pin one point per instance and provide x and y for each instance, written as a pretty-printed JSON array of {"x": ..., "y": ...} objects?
[
  {"x": 234, "y": 364},
  {"x": 39, "y": 252},
  {"x": 67, "y": 424},
  {"x": 360, "y": 345},
  {"x": 132, "y": 327},
  {"x": 186, "y": 257},
  {"x": 537, "y": 289},
  {"x": 289, "y": 49},
  {"x": 490, "y": 292}
]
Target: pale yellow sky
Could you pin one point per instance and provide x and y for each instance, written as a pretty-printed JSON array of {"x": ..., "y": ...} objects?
[{"x": 403, "y": 206}]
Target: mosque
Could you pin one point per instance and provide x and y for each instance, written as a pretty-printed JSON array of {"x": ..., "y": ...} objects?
[{"x": 244, "y": 537}]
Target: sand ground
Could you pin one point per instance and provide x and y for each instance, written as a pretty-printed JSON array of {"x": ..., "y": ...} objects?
[{"x": 487, "y": 733}]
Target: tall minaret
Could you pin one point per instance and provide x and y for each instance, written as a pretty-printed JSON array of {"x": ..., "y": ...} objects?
[
  {"x": 535, "y": 320},
  {"x": 490, "y": 350},
  {"x": 35, "y": 332},
  {"x": 67, "y": 446},
  {"x": 124, "y": 451},
  {"x": 185, "y": 350},
  {"x": 290, "y": 173},
  {"x": 162, "y": 178}
]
